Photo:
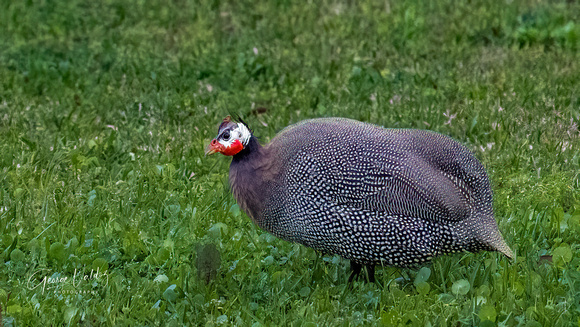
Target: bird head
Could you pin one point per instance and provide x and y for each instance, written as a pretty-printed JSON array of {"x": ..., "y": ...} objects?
[{"x": 232, "y": 138}]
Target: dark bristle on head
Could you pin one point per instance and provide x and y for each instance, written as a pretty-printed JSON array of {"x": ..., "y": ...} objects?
[{"x": 238, "y": 117}]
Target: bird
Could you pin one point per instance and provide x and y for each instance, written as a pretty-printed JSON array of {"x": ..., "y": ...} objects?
[{"x": 372, "y": 195}]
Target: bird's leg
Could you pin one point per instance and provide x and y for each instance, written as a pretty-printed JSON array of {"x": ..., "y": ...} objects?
[
  {"x": 371, "y": 273},
  {"x": 355, "y": 269}
]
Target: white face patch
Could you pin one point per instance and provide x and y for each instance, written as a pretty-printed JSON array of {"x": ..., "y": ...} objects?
[
  {"x": 245, "y": 134},
  {"x": 241, "y": 133}
]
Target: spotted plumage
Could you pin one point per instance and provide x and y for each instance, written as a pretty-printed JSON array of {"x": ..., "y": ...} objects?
[{"x": 395, "y": 197}]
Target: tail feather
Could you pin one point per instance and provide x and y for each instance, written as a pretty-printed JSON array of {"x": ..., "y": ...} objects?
[
  {"x": 502, "y": 247},
  {"x": 485, "y": 235}
]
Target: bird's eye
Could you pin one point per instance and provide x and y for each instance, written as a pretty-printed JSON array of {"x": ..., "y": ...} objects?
[{"x": 226, "y": 135}]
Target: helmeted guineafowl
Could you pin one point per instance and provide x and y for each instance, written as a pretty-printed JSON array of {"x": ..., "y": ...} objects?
[{"x": 395, "y": 197}]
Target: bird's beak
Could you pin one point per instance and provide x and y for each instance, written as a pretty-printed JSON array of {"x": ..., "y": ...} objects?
[{"x": 212, "y": 148}]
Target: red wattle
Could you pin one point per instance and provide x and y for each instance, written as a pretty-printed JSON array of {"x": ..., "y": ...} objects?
[{"x": 233, "y": 149}]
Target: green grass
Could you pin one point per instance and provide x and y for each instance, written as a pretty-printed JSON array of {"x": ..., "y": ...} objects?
[{"x": 105, "y": 109}]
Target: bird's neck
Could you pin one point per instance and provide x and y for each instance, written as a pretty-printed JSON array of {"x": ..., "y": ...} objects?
[
  {"x": 249, "y": 173},
  {"x": 250, "y": 151}
]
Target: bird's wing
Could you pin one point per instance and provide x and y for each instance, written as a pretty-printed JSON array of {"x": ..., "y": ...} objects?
[
  {"x": 409, "y": 186},
  {"x": 411, "y": 173}
]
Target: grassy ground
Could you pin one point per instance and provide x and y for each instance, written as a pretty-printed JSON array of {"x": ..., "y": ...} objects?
[{"x": 105, "y": 108}]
